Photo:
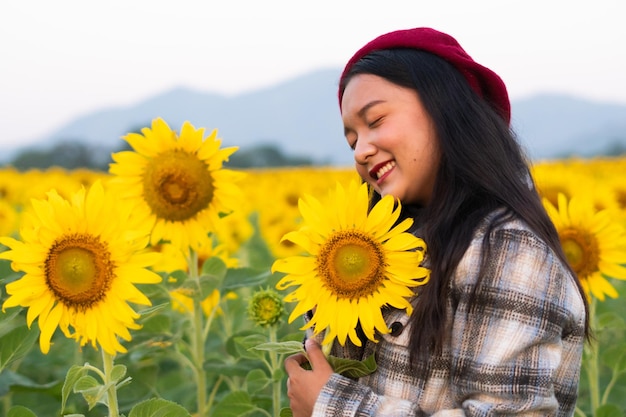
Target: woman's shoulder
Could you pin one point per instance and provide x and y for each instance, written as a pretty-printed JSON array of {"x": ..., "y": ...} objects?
[
  {"x": 514, "y": 252},
  {"x": 517, "y": 265}
]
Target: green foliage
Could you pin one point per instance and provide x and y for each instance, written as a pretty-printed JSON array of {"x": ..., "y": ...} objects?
[{"x": 73, "y": 154}]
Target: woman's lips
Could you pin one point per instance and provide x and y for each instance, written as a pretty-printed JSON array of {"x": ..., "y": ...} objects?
[{"x": 382, "y": 170}]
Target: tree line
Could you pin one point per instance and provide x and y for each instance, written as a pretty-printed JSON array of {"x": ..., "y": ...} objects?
[{"x": 77, "y": 155}]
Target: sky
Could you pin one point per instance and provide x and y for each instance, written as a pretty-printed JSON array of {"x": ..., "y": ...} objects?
[{"x": 63, "y": 59}]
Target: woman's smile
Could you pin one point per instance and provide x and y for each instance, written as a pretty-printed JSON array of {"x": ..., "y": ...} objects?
[{"x": 380, "y": 171}]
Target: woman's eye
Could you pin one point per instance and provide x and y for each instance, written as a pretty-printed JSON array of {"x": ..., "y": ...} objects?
[{"x": 375, "y": 122}]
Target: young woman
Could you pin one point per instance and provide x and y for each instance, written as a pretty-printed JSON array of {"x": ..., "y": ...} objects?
[{"x": 500, "y": 327}]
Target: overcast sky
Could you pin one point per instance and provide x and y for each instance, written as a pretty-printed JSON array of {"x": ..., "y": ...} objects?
[{"x": 64, "y": 58}]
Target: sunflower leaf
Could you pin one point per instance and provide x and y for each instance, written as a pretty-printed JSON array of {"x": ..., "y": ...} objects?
[
  {"x": 286, "y": 412},
  {"x": 16, "y": 344},
  {"x": 73, "y": 374},
  {"x": 283, "y": 348},
  {"x": 353, "y": 368},
  {"x": 92, "y": 391},
  {"x": 157, "y": 407},
  {"x": 608, "y": 410},
  {"x": 244, "y": 278},
  {"x": 20, "y": 411},
  {"x": 235, "y": 404},
  {"x": 215, "y": 267}
]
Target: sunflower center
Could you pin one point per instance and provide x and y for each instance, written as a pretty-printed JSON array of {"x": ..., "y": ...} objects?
[
  {"x": 177, "y": 185},
  {"x": 79, "y": 270},
  {"x": 581, "y": 250},
  {"x": 351, "y": 264}
]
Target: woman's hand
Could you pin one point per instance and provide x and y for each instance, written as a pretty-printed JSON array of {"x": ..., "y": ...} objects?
[{"x": 303, "y": 387}]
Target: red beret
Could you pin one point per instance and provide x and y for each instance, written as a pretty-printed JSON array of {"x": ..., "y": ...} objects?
[{"x": 483, "y": 81}]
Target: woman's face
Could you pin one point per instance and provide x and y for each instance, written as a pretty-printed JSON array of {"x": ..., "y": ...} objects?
[{"x": 393, "y": 138}]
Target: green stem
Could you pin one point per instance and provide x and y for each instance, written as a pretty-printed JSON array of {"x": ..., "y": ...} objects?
[
  {"x": 274, "y": 365},
  {"x": 214, "y": 391},
  {"x": 592, "y": 363},
  {"x": 107, "y": 362},
  {"x": 610, "y": 385},
  {"x": 6, "y": 403},
  {"x": 197, "y": 339}
]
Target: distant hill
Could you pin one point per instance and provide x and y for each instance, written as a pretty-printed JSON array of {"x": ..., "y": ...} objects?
[
  {"x": 301, "y": 117},
  {"x": 552, "y": 126}
]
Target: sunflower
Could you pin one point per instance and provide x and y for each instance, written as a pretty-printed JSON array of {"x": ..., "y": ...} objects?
[
  {"x": 177, "y": 181},
  {"x": 357, "y": 262},
  {"x": 594, "y": 243},
  {"x": 80, "y": 267}
]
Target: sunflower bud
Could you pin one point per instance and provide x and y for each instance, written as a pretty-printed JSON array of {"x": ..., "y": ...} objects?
[{"x": 266, "y": 308}]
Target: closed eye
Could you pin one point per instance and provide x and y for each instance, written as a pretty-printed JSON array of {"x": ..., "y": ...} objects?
[{"x": 375, "y": 123}]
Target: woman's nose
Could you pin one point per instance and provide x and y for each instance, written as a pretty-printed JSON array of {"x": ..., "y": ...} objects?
[{"x": 363, "y": 150}]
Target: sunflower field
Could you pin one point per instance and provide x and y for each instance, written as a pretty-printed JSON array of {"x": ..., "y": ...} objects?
[{"x": 160, "y": 287}]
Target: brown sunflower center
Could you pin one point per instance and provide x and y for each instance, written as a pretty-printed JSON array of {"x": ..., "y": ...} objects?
[
  {"x": 79, "y": 270},
  {"x": 621, "y": 198},
  {"x": 581, "y": 250},
  {"x": 351, "y": 264},
  {"x": 177, "y": 185}
]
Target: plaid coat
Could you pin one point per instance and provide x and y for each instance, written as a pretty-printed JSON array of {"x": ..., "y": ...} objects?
[{"x": 518, "y": 353}]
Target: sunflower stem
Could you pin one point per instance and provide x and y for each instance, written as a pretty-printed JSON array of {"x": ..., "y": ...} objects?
[
  {"x": 591, "y": 362},
  {"x": 276, "y": 385},
  {"x": 107, "y": 364},
  {"x": 197, "y": 336}
]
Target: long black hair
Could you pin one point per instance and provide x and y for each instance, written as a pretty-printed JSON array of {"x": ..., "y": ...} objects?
[{"x": 483, "y": 168}]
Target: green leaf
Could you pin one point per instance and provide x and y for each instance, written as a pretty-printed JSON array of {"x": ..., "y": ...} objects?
[
  {"x": 16, "y": 344},
  {"x": 208, "y": 284},
  {"x": 244, "y": 278},
  {"x": 282, "y": 348},
  {"x": 235, "y": 404},
  {"x": 92, "y": 391},
  {"x": 608, "y": 410},
  {"x": 279, "y": 374},
  {"x": 614, "y": 357},
  {"x": 610, "y": 320},
  {"x": 13, "y": 381},
  {"x": 10, "y": 320},
  {"x": 20, "y": 411},
  {"x": 176, "y": 278},
  {"x": 158, "y": 324},
  {"x": 157, "y": 407},
  {"x": 353, "y": 368},
  {"x": 118, "y": 372},
  {"x": 244, "y": 345},
  {"x": 241, "y": 368},
  {"x": 73, "y": 374},
  {"x": 286, "y": 412},
  {"x": 256, "y": 380},
  {"x": 149, "y": 311},
  {"x": 214, "y": 267}
]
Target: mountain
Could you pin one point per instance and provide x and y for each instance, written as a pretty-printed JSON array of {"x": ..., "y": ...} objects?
[
  {"x": 301, "y": 117},
  {"x": 552, "y": 126}
]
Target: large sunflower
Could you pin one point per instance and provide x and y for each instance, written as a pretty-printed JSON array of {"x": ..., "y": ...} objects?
[
  {"x": 80, "y": 265},
  {"x": 594, "y": 243},
  {"x": 357, "y": 263},
  {"x": 177, "y": 181}
]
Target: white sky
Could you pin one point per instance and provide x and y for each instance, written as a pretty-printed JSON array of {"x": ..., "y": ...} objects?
[{"x": 61, "y": 59}]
